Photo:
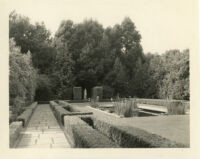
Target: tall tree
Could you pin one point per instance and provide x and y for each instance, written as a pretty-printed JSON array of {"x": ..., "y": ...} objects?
[
  {"x": 33, "y": 38},
  {"x": 22, "y": 77}
]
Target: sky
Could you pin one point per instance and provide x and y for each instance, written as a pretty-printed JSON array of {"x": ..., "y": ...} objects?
[{"x": 163, "y": 24}]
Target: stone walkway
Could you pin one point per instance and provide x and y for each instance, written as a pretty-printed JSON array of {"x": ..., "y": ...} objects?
[{"x": 43, "y": 131}]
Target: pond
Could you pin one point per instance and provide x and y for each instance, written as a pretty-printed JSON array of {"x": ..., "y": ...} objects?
[{"x": 140, "y": 113}]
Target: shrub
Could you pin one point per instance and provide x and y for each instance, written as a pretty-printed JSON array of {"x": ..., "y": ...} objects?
[
  {"x": 19, "y": 103},
  {"x": 126, "y": 108},
  {"x": 176, "y": 107},
  {"x": 77, "y": 93},
  {"x": 97, "y": 91},
  {"x": 22, "y": 77}
]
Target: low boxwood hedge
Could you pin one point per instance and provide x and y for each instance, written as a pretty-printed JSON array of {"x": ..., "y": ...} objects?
[
  {"x": 80, "y": 134},
  {"x": 52, "y": 104},
  {"x": 61, "y": 111},
  {"x": 25, "y": 116},
  {"x": 131, "y": 137},
  {"x": 14, "y": 131},
  {"x": 73, "y": 109}
]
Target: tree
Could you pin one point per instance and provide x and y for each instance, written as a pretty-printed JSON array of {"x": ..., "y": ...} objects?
[
  {"x": 83, "y": 46},
  {"x": 22, "y": 77},
  {"x": 62, "y": 78},
  {"x": 33, "y": 38},
  {"x": 169, "y": 74},
  {"x": 120, "y": 82},
  {"x": 176, "y": 79}
]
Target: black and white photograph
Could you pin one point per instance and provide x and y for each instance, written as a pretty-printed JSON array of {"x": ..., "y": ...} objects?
[{"x": 101, "y": 75}]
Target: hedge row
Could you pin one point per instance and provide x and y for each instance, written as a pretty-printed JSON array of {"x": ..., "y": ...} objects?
[
  {"x": 73, "y": 110},
  {"x": 131, "y": 137},
  {"x": 80, "y": 134},
  {"x": 60, "y": 111},
  {"x": 14, "y": 132},
  {"x": 26, "y": 115}
]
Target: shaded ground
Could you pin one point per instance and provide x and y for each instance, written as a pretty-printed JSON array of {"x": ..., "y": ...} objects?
[
  {"x": 173, "y": 127},
  {"x": 43, "y": 131}
]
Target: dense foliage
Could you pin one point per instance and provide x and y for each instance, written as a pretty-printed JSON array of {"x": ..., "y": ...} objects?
[
  {"x": 88, "y": 55},
  {"x": 22, "y": 77}
]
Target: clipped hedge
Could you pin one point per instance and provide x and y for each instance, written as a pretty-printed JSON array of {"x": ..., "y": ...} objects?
[
  {"x": 14, "y": 117},
  {"x": 25, "y": 116},
  {"x": 77, "y": 93},
  {"x": 52, "y": 105},
  {"x": 72, "y": 109},
  {"x": 80, "y": 134},
  {"x": 14, "y": 132},
  {"x": 63, "y": 103},
  {"x": 131, "y": 137},
  {"x": 60, "y": 111},
  {"x": 97, "y": 91}
]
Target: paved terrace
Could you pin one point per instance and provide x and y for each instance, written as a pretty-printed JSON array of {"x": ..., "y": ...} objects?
[{"x": 43, "y": 131}]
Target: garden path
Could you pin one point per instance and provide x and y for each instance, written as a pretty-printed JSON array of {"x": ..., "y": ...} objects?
[{"x": 43, "y": 131}]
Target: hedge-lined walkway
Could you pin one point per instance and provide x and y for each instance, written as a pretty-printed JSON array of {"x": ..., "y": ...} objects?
[{"x": 43, "y": 131}]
